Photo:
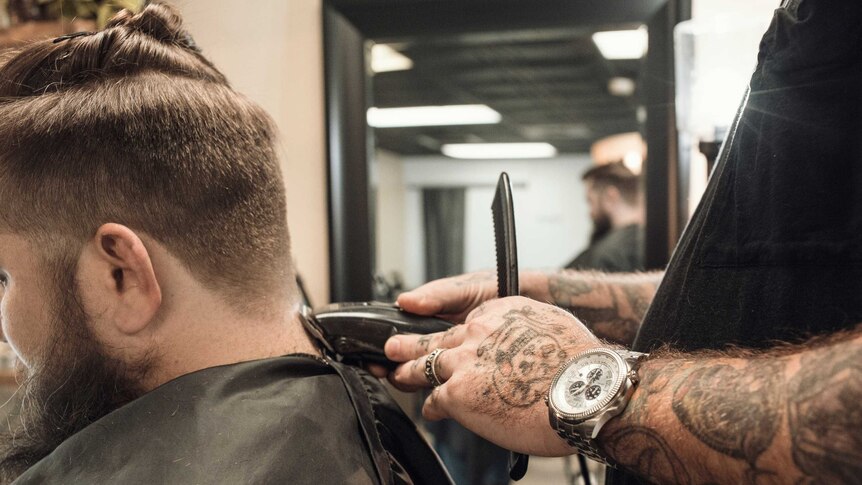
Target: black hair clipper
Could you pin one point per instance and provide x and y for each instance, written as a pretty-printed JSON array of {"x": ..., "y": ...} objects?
[{"x": 357, "y": 332}]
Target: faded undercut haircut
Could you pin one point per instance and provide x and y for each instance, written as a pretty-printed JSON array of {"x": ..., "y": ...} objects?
[{"x": 133, "y": 125}]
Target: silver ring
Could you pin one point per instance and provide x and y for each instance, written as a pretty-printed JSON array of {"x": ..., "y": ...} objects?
[{"x": 431, "y": 368}]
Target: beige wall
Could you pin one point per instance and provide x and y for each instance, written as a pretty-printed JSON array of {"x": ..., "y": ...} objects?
[{"x": 271, "y": 50}]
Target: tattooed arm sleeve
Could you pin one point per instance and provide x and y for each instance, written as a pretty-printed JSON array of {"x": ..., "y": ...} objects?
[
  {"x": 790, "y": 415},
  {"x": 612, "y": 305}
]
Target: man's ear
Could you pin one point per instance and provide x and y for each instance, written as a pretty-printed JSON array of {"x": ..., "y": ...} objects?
[
  {"x": 611, "y": 195},
  {"x": 122, "y": 272}
]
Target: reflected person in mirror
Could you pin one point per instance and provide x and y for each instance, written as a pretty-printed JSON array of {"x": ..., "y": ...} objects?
[{"x": 617, "y": 210}]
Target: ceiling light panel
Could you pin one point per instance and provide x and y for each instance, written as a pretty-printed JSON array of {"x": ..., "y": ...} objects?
[
  {"x": 499, "y": 151},
  {"x": 622, "y": 44},
  {"x": 386, "y": 59},
  {"x": 465, "y": 114}
]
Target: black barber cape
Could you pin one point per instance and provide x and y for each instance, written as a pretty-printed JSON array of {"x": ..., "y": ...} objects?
[
  {"x": 294, "y": 419},
  {"x": 774, "y": 252},
  {"x": 621, "y": 250}
]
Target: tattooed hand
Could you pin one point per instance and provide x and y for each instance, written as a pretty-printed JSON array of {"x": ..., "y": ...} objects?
[{"x": 496, "y": 370}]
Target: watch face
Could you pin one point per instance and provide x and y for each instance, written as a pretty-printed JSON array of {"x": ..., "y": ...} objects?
[{"x": 587, "y": 384}]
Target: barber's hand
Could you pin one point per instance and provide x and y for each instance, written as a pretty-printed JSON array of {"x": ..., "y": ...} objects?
[
  {"x": 496, "y": 371},
  {"x": 455, "y": 297}
]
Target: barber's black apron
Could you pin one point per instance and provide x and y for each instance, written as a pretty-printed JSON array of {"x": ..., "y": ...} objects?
[
  {"x": 294, "y": 419},
  {"x": 774, "y": 252}
]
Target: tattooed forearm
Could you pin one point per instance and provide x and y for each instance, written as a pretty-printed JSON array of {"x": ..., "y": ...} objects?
[
  {"x": 644, "y": 450},
  {"x": 787, "y": 416},
  {"x": 733, "y": 411},
  {"x": 612, "y": 306},
  {"x": 825, "y": 417}
]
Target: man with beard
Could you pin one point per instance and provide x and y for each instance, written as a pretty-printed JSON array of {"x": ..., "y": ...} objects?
[
  {"x": 146, "y": 282},
  {"x": 617, "y": 211}
]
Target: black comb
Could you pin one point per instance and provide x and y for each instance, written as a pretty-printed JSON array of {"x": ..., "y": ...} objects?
[
  {"x": 504, "y": 239},
  {"x": 507, "y": 275}
]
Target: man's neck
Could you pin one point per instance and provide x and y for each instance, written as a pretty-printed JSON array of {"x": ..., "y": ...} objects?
[
  {"x": 223, "y": 341},
  {"x": 627, "y": 216}
]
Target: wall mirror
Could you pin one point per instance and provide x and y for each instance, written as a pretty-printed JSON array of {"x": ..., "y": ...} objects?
[{"x": 409, "y": 204}]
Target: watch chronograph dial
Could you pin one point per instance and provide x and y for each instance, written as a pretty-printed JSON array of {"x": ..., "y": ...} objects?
[
  {"x": 586, "y": 383},
  {"x": 577, "y": 387}
]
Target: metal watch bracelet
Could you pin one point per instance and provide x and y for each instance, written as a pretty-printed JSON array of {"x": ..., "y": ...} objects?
[
  {"x": 585, "y": 446},
  {"x": 574, "y": 434}
]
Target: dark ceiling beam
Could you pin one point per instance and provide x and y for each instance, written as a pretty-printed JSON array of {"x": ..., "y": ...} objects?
[
  {"x": 544, "y": 71},
  {"x": 547, "y": 90},
  {"x": 563, "y": 70},
  {"x": 395, "y": 19},
  {"x": 526, "y": 36},
  {"x": 573, "y": 51}
]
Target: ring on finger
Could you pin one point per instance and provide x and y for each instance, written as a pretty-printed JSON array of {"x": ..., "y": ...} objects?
[{"x": 431, "y": 367}]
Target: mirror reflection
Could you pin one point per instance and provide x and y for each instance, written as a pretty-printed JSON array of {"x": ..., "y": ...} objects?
[{"x": 547, "y": 106}]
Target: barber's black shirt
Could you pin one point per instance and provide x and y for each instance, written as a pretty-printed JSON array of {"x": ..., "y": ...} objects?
[
  {"x": 621, "y": 250},
  {"x": 774, "y": 252}
]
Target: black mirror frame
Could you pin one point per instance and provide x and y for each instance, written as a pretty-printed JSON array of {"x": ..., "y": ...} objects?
[{"x": 347, "y": 24}]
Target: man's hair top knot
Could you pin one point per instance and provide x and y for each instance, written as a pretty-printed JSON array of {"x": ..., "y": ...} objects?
[
  {"x": 159, "y": 21},
  {"x": 153, "y": 40}
]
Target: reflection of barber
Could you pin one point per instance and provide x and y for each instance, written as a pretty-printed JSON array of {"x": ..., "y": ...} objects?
[
  {"x": 616, "y": 209},
  {"x": 773, "y": 253}
]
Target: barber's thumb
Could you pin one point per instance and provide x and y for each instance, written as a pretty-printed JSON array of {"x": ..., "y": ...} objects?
[{"x": 392, "y": 349}]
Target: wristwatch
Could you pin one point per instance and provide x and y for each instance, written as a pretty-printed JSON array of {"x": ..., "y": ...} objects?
[{"x": 589, "y": 390}]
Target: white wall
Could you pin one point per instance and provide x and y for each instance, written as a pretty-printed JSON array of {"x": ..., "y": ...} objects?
[
  {"x": 701, "y": 9},
  {"x": 552, "y": 218},
  {"x": 387, "y": 177},
  {"x": 729, "y": 33},
  {"x": 716, "y": 54},
  {"x": 271, "y": 50}
]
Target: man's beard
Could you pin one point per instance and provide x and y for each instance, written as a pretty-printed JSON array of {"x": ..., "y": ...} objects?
[
  {"x": 601, "y": 227},
  {"x": 72, "y": 385}
]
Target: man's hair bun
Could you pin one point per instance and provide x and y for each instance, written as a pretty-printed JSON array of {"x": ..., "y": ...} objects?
[
  {"x": 157, "y": 20},
  {"x": 153, "y": 40}
]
